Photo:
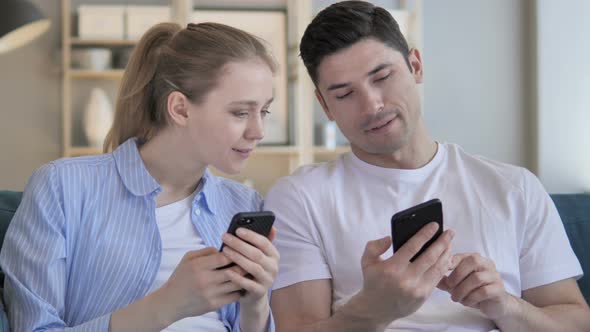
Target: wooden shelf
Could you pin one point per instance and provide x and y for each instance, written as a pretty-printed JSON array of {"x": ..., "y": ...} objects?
[
  {"x": 102, "y": 42},
  {"x": 112, "y": 74}
]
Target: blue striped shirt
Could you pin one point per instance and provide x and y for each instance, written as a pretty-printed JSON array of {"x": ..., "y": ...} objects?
[{"x": 84, "y": 242}]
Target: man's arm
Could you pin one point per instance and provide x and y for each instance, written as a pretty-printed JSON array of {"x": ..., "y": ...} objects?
[
  {"x": 559, "y": 306},
  {"x": 392, "y": 288},
  {"x": 306, "y": 307}
]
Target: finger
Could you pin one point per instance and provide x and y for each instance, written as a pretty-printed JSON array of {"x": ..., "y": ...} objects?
[
  {"x": 212, "y": 261},
  {"x": 249, "y": 285},
  {"x": 433, "y": 255},
  {"x": 189, "y": 255},
  {"x": 474, "y": 281},
  {"x": 237, "y": 269},
  {"x": 436, "y": 272},
  {"x": 467, "y": 265},
  {"x": 228, "y": 287},
  {"x": 268, "y": 262},
  {"x": 457, "y": 258},
  {"x": 482, "y": 294},
  {"x": 255, "y": 269},
  {"x": 248, "y": 239},
  {"x": 272, "y": 234},
  {"x": 416, "y": 242},
  {"x": 374, "y": 249}
]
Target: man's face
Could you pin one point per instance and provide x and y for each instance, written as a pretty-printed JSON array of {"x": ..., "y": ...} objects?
[{"x": 372, "y": 95}]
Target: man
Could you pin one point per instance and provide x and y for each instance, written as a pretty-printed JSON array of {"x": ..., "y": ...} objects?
[{"x": 504, "y": 260}]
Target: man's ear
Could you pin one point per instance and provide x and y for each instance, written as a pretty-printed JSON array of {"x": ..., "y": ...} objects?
[
  {"x": 177, "y": 108},
  {"x": 320, "y": 98},
  {"x": 415, "y": 61}
]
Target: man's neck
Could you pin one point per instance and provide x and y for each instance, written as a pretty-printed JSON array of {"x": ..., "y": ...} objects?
[{"x": 417, "y": 152}]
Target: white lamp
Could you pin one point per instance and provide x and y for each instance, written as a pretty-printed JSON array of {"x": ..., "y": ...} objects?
[{"x": 20, "y": 22}]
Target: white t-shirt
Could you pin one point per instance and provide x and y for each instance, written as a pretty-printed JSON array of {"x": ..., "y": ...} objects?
[
  {"x": 178, "y": 237},
  {"x": 326, "y": 213}
]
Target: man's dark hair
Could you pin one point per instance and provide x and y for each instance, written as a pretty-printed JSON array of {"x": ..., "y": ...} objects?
[{"x": 343, "y": 24}]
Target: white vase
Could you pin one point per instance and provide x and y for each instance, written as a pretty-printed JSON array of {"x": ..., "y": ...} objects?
[{"x": 98, "y": 117}]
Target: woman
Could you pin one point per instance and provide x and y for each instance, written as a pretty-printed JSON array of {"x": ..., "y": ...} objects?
[{"x": 126, "y": 241}]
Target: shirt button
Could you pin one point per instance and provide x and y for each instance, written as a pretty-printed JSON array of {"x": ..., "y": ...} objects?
[{"x": 198, "y": 212}]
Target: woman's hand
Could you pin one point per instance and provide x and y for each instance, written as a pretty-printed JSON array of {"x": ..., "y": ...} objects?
[
  {"x": 197, "y": 286},
  {"x": 258, "y": 257}
]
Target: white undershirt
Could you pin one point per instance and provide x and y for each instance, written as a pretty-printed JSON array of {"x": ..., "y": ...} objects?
[
  {"x": 325, "y": 214},
  {"x": 178, "y": 237}
]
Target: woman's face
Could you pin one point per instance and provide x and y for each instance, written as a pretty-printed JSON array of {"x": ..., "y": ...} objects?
[{"x": 226, "y": 126}]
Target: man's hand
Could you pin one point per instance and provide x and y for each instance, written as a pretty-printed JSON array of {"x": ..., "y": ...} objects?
[
  {"x": 475, "y": 283},
  {"x": 395, "y": 288}
]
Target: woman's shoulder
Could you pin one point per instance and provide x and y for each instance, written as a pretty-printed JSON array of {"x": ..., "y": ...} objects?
[
  {"x": 75, "y": 170},
  {"x": 236, "y": 191}
]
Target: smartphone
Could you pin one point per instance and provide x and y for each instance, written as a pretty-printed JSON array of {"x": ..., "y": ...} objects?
[
  {"x": 407, "y": 223},
  {"x": 260, "y": 222}
]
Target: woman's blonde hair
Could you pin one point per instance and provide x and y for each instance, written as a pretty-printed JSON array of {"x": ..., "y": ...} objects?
[{"x": 169, "y": 58}]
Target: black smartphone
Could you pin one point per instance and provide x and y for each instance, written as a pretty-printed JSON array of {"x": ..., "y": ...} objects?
[
  {"x": 407, "y": 223},
  {"x": 260, "y": 222}
]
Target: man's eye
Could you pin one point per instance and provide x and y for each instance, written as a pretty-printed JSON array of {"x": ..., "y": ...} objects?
[
  {"x": 383, "y": 78},
  {"x": 241, "y": 115},
  {"x": 344, "y": 95}
]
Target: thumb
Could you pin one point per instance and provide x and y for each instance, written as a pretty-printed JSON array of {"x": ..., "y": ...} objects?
[
  {"x": 374, "y": 249},
  {"x": 198, "y": 253}
]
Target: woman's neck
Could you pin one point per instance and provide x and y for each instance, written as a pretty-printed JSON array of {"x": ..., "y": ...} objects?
[{"x": 166, "y": 162}]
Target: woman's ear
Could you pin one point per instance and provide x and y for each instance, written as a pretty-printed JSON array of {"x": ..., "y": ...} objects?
[{"x": 177, "y": 108}]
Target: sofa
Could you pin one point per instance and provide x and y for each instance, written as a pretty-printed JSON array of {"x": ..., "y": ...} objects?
[{"x": 573, "y": 208}]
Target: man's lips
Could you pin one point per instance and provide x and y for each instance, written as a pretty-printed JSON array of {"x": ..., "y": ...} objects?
[{"x": 380, "y": 124}]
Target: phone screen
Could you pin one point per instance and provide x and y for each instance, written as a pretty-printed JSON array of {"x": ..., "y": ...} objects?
[{"x": 405, "y": 224}]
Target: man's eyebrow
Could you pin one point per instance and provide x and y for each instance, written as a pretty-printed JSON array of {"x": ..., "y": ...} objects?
[
  {"x": 378, "y": 68},
  {"x": 371, "y": 72}
]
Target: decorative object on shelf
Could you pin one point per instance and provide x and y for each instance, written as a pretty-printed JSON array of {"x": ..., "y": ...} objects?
[
  {"x": 270, "y": 26},
  {"x": 141, "y": 18},
  {"x": 92, "y": 58},
  {"x": 101, "y": 22},
  {"x": 20, "y": 22},
  {"x": 98, "y": 117}
]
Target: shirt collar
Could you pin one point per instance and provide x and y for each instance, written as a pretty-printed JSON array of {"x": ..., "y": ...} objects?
[
  {"x": 210, "y": 191},
  {"x": 132, "y": 171}
]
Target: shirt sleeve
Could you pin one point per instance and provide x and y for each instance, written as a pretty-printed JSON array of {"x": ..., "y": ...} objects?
[
  {"x": 297, "y": 240},
  {"x": 33, "y": 259},
  {"x": 546, "y": 255}
]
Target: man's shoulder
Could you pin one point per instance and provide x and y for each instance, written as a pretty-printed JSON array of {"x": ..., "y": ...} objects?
[
  {"x": 312, "y": 179},
  {"x": 484, "y": 167}
]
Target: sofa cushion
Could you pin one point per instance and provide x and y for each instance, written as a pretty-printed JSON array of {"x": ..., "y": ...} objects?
[
  {"x": 574, "y": 210},
  {"x": 9, "y": 201}
]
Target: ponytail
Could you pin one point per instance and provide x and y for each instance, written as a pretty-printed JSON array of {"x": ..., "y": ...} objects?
[
  {"x": 135, "y": 113},
  {"x": 168, "y": 58}
]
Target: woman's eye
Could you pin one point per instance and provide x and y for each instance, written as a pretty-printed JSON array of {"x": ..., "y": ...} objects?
[{"x": 344, "y": 95}]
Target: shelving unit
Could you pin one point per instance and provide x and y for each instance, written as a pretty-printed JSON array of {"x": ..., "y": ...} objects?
[{"x": 267, "y": 163}]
